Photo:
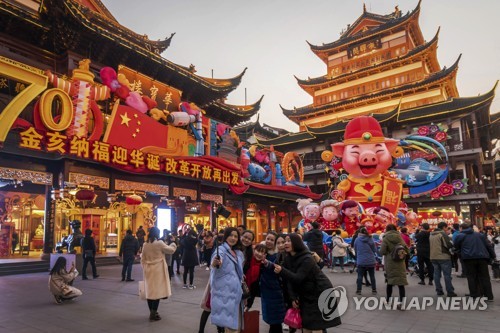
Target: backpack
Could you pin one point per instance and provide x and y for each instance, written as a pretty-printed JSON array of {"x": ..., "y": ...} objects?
[{"x": 398, "y": 253}]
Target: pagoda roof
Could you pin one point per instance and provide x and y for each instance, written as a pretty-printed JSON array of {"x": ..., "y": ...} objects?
[
  {"x": 414, "y": 53},
  {"x": 232, "y": 114},
  {"x": 310, "y": 109},
  {"x": 387, "y": 22},
  {"x": 245, "y": 129},
  {"x": 104, "y": 20},
  {"x": 68, "y": 26},
  {"x": 453, "y": 107}
]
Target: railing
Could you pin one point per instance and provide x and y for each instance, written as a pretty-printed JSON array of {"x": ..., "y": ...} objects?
[{"x": 455, "y": 145}]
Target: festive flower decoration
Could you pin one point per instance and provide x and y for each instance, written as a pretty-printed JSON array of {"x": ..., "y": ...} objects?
[
  {"x": 423, "y": 130},
  {"x": 440, "y": 136},
  {"x": 433, "y": 128},
  {"x": 446, "y": 190},
  {"x": 133, "y": 200},
  {"x": 456, "y": 187},
  {"x": 435, "y": 194}
]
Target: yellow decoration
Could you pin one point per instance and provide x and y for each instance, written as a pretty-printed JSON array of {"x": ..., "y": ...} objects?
[
  {"x": 292, "y": 167},
  {"x": 344, "y": 234},
  {"x": 46, "y": 101},
  {"x": 398, "y": 152},
  {"x": 37, "y": 82},
  {"x": 326, "y": 156}
]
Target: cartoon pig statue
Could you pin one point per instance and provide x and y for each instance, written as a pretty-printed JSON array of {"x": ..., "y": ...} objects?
[
  {"x": 310, "y": 213},
  {"x": 330, "y": 214},
  {"x": 367, "y": 155}
]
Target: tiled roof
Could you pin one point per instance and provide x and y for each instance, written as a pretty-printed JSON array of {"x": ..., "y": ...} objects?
[{"x": 291, "y": 113}]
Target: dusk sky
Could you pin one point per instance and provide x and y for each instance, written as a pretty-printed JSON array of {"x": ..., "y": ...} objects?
[{"x": 269, "y": 37}]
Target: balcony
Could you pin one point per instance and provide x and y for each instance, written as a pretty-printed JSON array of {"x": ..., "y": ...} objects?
[{"x": 460, "y": 148}]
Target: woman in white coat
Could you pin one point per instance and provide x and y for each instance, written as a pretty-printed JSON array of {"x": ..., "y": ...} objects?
[{"x": 154, "y": 266}]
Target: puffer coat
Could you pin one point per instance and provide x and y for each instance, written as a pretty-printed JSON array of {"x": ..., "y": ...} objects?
[
  {"x": 271, "y": 294},
  {"x": 395, "y": 270},
  {"x": 154, "y": 266},
  {"x": 306, "y": 282},
  {"x": 226, "y": 292}
]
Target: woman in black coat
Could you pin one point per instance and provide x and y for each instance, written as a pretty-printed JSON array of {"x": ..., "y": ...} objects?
[
  {"x": 189, "y": 257},
  {"x": 305, "y": 282}
]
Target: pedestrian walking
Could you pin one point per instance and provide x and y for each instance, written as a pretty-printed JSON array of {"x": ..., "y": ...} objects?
[
  {"x": 395, "y": 270},
  {"x": 189, "y": 257},
  {"x": 140, "y": 234},
  {"x": 128, "y": 251},
  {"x": 339, "y": 251},
  {"x": 424, "y": 254},
  {"x": 365, "y": 259},
  {"x": 440, "y": 246},
  {"x": 154, "y": 266},
  {"x": 89, "y": 251},
  {"x": 476, "y": 253}
]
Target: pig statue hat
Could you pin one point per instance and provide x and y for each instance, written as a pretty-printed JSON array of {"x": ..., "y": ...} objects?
[{"x": 364, "y": 129}]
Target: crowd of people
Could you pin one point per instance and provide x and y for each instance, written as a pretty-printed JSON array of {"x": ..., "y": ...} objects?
[{"x": 286, "y": 270}]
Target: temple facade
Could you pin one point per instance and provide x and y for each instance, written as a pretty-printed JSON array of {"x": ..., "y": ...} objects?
[
  {"x": 97, "y": 126},
  {"x": 382, "y": 66}
]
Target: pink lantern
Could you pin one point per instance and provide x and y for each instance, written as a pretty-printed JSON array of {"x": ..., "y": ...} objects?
[{"x": 133, "y": 200}]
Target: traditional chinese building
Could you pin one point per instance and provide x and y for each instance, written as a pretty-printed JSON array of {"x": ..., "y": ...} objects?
[
  {"x": 97, "y": 126},
  {"x": 383, "y": 66}
]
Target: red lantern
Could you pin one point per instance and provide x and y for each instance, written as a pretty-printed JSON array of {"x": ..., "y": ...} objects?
[
  {"x": 85, "y": 195},
  {"x": 281, "y": 214},
  {"x": 133, "y": 200}
]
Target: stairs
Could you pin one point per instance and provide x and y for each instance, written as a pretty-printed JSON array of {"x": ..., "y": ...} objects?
[
  {"x": 39, "y": 266},
  {"x": 24, "y": 267}
]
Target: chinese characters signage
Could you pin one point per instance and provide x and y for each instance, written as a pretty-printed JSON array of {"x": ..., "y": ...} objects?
[
  {"x": 359, "y": 49},
  {"x": 132, "y": 160}
]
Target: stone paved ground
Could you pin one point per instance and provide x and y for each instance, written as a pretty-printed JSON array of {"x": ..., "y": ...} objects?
[{"x": 109, "y": 305}]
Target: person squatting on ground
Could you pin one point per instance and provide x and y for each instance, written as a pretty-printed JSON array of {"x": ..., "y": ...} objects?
[
  {"x": 476, "y": 253},
  {"x": 423, "y": 254},
  {"x": 226, "y": 276},
  {"x": 60, "y": 281},
  {"x": 440, "y": 245},
  {"x": 128, "y": 251},
  {"x": 88, "y": 250},
  {"x": 395, "y": 270},
  {"x": 338, "y": 251},
  {"x": 189, "y": 257},
  {"x": 305, "y": 282},
  {"x": 154, "y": 266},
  {"x": 365, "y": 259}
]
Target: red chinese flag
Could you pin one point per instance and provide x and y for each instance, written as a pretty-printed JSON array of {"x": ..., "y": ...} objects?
[{"x": 128, "y": 128}]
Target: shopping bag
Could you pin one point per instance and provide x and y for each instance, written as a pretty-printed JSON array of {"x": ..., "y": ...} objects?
[
  {"x": 142, "y": 290},
  {"x": 251, "y": 321},
  {"x": 293, "y": 318}
]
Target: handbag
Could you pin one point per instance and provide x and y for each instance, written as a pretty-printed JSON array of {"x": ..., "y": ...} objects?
[
  {"x": 293, "y": 318},
  {"x": 245, "y": 289},
  {"x": 251, "y": 321},
  {"x": 142, "y": 290}
]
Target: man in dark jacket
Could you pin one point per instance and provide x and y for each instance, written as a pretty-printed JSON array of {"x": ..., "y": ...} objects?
[
  {"x": 88, "y": 250},
  {"x": 476, "y": 253},
  {"x": 424, "y": 253},
  {"x": 128, "y": 251}
]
